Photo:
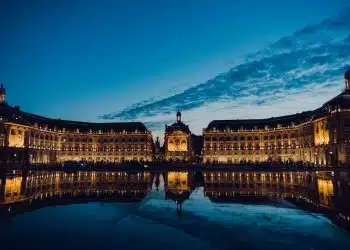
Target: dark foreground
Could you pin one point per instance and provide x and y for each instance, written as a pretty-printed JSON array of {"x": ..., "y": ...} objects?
[{"x": 175, "y": 210}]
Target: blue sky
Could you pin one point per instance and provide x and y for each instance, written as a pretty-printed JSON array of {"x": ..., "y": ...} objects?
[{"x": 82, "y": 59}]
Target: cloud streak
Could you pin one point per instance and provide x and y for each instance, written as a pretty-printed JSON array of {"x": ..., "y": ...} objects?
[{"x": 298, "y": 72}]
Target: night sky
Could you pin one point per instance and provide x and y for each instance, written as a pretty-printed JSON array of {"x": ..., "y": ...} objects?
[{"x": 84, "y": 59}]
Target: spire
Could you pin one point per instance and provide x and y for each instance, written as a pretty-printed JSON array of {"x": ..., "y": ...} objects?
[
  {"x": 347, "y": 79},
  {"x": 178, "y": 116},
  {"x": 2, "y": 94}
]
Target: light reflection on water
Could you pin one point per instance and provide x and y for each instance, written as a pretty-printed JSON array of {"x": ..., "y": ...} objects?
[{"x": 156, "y": 195}]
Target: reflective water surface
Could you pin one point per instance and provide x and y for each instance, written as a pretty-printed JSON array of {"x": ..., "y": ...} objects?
[{"x": 157, "y": 210}]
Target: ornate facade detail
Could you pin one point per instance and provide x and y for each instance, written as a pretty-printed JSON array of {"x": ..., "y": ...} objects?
[{"x": 178, "y": 141}]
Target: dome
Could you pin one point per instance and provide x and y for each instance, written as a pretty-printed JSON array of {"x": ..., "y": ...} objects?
[{"x": 178, "y": 113}]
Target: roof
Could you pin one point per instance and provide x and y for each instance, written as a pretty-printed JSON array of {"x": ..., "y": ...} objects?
[
  {"x": 340, "y": 101},
  {"x": 260, "y": 123},
  {"x": 14, "y": 114},
  {"x": 178, "y": 126}
]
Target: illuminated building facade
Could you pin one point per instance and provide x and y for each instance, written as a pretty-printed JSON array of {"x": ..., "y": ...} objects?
[
  {"x": 321, "y": 136},
  {"x": 178, "y": 141},
  {"x": 28, "y": 138}
]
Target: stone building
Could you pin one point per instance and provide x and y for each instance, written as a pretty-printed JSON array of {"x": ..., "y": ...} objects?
[
  {"x": 321, "y": 136},
  {"x": 178, "y": 141},
  {"x": 28, "y": 138}
]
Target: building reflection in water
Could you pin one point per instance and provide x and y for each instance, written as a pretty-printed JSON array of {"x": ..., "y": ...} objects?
[
  {"x": 320, "y": 190},
  {"x": 177, "y": 187},
  {"x": 122, "y": 186},
  {"x": 326, "y": 191}
]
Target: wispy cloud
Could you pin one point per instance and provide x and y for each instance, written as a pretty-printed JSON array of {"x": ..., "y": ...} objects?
[{"x": 296, "y": 73}]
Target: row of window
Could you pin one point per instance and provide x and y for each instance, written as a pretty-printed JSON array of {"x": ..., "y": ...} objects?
[
  {"x": 250, "y": 138},
  {"x": 256, "y": 146},
  {"x": 63, "y": 153},
  {"x": 42, "y": 143},
  {"x": 55, "y": 138},
  {"x": 101, "y": 149},
  {"x": 245, "y": 148},
  {"x": 251, "y": 152},
  {"x": 91, "y": 149},
  {"x": 72, "y": 139}
]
